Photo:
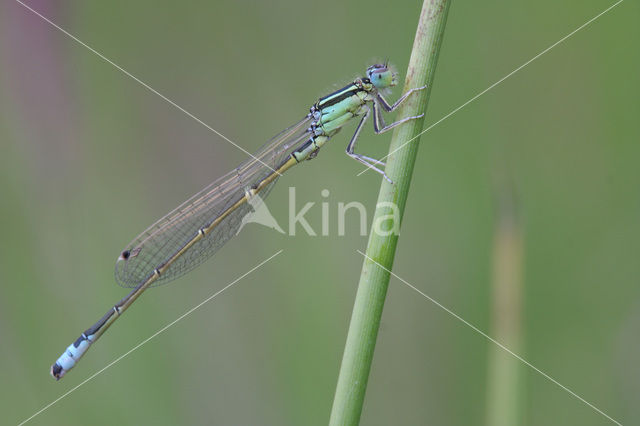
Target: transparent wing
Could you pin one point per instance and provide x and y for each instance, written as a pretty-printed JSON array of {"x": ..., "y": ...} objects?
[{"x": 163, "y": 239}]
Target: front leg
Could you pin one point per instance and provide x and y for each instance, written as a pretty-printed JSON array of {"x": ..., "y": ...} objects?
[
  {"x": 367, "y": 161},
  {"x": 378, "y": 121},
  {"x": 403, "y": 98}
]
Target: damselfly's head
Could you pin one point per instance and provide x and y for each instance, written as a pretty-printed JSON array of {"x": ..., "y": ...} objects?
[{"x": 381, "y": 76}]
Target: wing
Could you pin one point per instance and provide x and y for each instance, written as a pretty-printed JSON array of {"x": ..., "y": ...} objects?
[{"x": 162, "y": 240}]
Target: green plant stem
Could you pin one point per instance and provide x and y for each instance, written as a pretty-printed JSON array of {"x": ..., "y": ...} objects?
[
  {"x": 374, "y": 279},
  {"x": 505, "y": 385}
]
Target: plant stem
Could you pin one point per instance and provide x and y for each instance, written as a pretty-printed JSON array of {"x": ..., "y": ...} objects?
[
  {"x": 504, "y": 379},
  {"x": 372, "y": 289}
]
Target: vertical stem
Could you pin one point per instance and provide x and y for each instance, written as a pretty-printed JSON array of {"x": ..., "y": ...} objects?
[
  {"x": 374, "y": 279},
  {"x": 504, "y": 383}
]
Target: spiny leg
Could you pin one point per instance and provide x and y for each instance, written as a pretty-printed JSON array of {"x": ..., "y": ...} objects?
[
  {"x": 380, "y": 127},
  {"x": 378, "y": 121},
  {"x": 367, "y": 161},
  {"x": 373, "y": 160},
  {"x": 403, "y": 98}
]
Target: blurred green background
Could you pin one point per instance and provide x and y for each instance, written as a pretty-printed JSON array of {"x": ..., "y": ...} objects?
[{"x": 89, "y": 158}]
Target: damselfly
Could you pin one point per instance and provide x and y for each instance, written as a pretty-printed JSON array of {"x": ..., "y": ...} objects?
[{"x": 196, "y": 229}]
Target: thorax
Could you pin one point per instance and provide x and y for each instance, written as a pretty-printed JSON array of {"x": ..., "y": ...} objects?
[{"x": 334, "y": 110}]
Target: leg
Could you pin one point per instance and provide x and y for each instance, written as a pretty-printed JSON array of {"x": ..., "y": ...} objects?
[
  {"x": 364, "y": 157},
  {"x": 403, "y": 98},
  {"x": 367, "y": 161},
  {"x": 378, "y": 121}
]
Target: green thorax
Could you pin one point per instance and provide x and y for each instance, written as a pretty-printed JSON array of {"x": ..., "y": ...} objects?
[{"x": 337, "y": 108}]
